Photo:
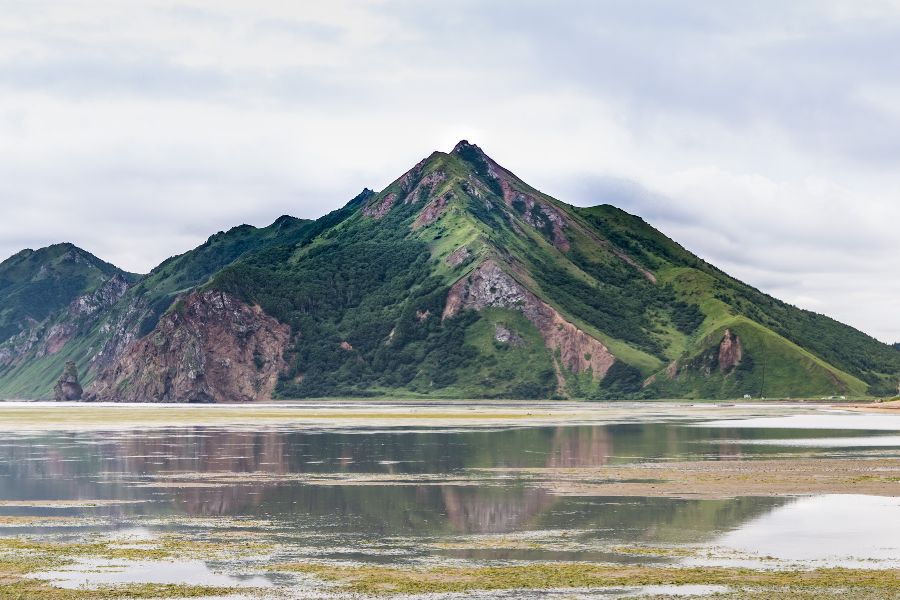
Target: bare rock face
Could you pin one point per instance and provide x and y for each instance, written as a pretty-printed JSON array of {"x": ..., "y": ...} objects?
[
  {"x": 432, "y": 211},
  {"x": 43, "y": 338},
  {"x": 505, "y": 335},
  {"x": 378, "y": 209},
  {"x": 490, "y": 286},
  {"x": 412, "y": 187},
  {"x": 536, "y": 212},
  {"x": 426, "y": 185},
  {"x": 730, "y": 351},
  {"x": 67, "y": 388},
  {"x": 458, "y": 256},
  {"x": 214, "y": 349}
]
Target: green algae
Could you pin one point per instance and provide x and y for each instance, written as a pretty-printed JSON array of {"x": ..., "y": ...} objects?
[
  {"x": 785, "y": 593},
  {"x": 162, "y": 548},
  {"x": 22, "y": 561},
  {"x": 30, "y": 589},
  {"x": 390, "y": 580}
]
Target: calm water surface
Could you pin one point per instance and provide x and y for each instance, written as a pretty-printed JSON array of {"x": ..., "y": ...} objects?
[{"x": 312, "y": 490}]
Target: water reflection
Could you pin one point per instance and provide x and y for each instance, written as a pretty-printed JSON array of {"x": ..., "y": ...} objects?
[
  {"x": 437, "y": 500},
  {"x": 829, "y": 530}
]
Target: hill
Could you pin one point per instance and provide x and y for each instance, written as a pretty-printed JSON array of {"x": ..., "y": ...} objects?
[
  {"x": 37, "y": 283},
  {"x": 460, "y": 280},
  {"x": 92, "y": 325}
]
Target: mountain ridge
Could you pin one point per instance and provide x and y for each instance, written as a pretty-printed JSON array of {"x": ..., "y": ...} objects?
[{"x": 461, "y": 280}]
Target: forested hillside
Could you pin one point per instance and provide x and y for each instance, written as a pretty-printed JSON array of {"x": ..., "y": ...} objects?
[{"x": 458, "y": 280}]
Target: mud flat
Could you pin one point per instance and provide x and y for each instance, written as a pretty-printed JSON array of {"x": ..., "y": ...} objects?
[
  {"x": 690, "y": 479},
  {"x": 52, "y": 416},
  {"x": 725, "y": 479},
  {"x": 889, "y": 406}
]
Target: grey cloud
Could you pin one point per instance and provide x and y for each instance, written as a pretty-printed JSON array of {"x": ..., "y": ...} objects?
[
  {"x": 299, "y": 29},
  {"x": 105, "y": 75},
  {"x": 742, "y": 64},
  {"x": 137, "y": 133}
]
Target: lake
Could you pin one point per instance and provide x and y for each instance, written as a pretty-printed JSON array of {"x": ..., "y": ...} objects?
[{"x": 238, "y": 504}]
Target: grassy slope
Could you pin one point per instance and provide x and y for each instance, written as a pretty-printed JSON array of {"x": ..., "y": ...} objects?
[
  {"x": 154, "y": 293},
  {"x": 350, "y": 278},
  {"x": 836, "y": 357},
  {"x": 602, "y": 287},
  {"x": 492, "y": 238},
  {"x": 35, "y": 284}
]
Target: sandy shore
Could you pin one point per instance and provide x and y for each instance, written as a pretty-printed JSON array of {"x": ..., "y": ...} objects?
[
  {"x": 892, "y": 406},
  {"x": 51, "y": 416},
  {"x": 726, "y": 479}
]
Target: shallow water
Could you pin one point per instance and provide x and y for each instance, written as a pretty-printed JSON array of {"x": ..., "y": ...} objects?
[
  {"x": 410, "y": 495},
  {"x": 846, "y": 530}
]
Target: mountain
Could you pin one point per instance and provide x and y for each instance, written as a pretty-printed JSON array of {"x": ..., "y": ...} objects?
[
  {"x": 458, "y": 280},
  {"x": 37, "y": 283},
  {"x": 91, "y": 325},
  {"x": 47, "y": 297}
]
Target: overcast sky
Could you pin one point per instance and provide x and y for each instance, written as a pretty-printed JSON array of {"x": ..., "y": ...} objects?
[{"x": 764, "y": 136}]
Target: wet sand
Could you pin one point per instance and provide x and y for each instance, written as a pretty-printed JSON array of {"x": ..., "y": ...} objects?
[
  {"x": 889, "y": 406},
  {"x": 726, "y": 479},
  {"x": 51, "y": 416}
]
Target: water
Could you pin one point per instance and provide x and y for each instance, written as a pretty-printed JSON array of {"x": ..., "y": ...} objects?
[{"x": 435, "y": 495}]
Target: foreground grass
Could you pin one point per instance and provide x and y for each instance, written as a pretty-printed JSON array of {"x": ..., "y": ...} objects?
[
  {"x": 390, "y": 580},
  {"x": 21, "y": 559},
  {"x": 39, "y": 590},
  {"x": 786, "y": 593}
]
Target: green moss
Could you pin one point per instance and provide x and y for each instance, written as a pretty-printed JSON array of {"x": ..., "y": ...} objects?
[
  {"x": 387, "y": 580},
  {"x": 21, "y": 557},
  {"x": 30, "y": 589}
]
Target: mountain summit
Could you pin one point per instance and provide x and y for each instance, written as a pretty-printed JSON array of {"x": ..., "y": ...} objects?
[{"x": 458, "y": 280}]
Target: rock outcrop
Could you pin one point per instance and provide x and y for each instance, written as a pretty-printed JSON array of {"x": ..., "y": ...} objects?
[
  {"x": 731, "y": 351},
  {"x": 535, "y": 211},
  {"x": 490, "y": 286},
  {"x": 67, "y": 388},
  {"x": 379, "y": 208},
  {"x": 505, "y": 335},
  {"x": 213, "y": 348},
  {"x": 46, "y": 338},
  {"x": 458, "y": 256},
  {"x": 432, "y": 211}
]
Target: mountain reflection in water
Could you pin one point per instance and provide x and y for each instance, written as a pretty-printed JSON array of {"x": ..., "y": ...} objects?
[{"x": 264, "y": 478}]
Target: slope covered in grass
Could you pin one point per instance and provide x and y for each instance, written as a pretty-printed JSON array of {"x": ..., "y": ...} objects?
[{"x": 457, "y": 280}]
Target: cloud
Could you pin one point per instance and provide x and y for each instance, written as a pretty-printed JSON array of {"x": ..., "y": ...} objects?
[{"x": 764, "y": 136}]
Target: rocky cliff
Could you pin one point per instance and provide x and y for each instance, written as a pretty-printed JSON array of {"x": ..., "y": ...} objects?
[
  {"x": 573, "y": 349},
  {"x": 68, "y": 387},
  {"x": 212, "y": 348}
]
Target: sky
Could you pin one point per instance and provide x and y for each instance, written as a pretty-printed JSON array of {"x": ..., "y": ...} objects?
[{"x": 763, "y": 136}]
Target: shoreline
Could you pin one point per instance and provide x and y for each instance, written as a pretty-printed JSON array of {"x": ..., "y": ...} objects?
[{"x": 53, "y": 416}]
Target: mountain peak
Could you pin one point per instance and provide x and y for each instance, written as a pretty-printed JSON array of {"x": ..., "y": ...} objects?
[
  {"x": 462, "y": 144},
  {"x": 466, "y": 149}
]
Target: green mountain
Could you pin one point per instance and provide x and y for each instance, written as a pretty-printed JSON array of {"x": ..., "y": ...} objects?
[
  {"x": 35, "y": 284},
  {"x": 121, "y": 308},
  {"x": 458, "y": 281}
]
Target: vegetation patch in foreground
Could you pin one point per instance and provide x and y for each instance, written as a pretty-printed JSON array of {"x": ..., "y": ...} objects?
[
  {"x": 389, "y": 580},
  {"x": 30, "y": 589},
  {"x": 21, "y": 559}
]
